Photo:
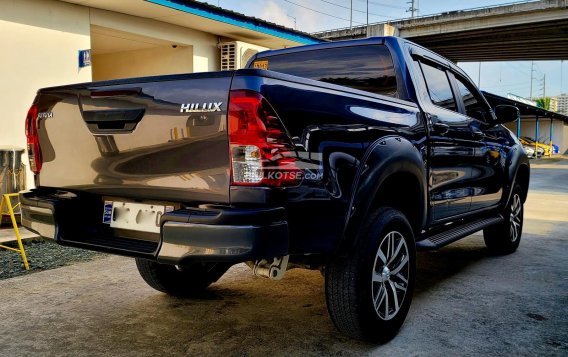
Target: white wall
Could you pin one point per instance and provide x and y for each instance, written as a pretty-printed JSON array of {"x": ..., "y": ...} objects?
[{"x": 40, "y": 41}]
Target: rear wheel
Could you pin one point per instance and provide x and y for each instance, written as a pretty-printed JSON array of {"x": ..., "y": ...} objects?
[
  {"x": 504, "y": 238},
  {"x": 369, "y": 292},
  {"x": 180, "y": 281}
]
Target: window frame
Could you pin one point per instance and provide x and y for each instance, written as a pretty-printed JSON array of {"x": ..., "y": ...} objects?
[
  {"x": 425, "y": 62},
  {"x": 475, "y": 92}
]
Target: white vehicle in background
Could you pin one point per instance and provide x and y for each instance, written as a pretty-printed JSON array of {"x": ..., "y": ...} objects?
[{"x": 529, "y": 151}]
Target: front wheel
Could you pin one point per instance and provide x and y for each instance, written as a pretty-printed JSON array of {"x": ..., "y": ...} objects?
[
  {"x": 504, "y": 238},
  {"x": 369, "y": 292},
  {"x": 180, "y": 281}
]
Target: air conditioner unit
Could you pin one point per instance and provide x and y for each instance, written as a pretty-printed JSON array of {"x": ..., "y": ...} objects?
[{"x": 236, "y": 54}]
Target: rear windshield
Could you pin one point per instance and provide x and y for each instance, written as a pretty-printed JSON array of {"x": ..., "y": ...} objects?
[{"x": 368, "y": 68}]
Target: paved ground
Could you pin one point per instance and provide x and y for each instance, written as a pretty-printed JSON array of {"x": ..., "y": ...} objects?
[
  {"x": 7, "y": 233},
  {"x": 467, "y": 303}
]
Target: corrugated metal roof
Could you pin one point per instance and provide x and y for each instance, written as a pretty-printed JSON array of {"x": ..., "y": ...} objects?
[{"x": 525, "y": 109}]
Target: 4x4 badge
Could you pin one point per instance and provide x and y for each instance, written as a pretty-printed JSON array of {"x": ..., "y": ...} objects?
[{"x": 200, "y": 108}]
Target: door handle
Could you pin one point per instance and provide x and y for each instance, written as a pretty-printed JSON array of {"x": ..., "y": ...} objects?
[{"x": 441, "y": 128}]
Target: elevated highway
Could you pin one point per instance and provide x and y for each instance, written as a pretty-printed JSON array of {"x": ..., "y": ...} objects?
[{"x": 528, "y": 30}]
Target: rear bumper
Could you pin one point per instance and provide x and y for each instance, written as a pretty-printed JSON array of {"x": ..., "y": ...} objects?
[{"x": 210, "y": 233}]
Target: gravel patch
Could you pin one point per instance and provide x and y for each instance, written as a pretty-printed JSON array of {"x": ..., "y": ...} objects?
[{"x": 42, "y": 255}]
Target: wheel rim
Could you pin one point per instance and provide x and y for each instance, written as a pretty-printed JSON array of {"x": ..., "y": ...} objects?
[
  {"x": 515, "y": 218},
  {"x": 390, "y": 275}
]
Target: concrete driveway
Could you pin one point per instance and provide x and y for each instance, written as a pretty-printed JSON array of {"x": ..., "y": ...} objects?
[{"x": 466, "y": 303}]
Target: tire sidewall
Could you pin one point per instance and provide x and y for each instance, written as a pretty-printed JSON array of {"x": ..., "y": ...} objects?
[
  {"x": 498, "y": 238},
  {"x": 385, "y": 221}
]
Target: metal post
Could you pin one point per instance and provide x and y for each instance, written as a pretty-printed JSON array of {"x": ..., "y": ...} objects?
[
  {"x": 367, "y": 18},
  {"x": 536, "y": 136},
  {"x": 519, "y": 124},
  {"x": 351, "y": 17},
  {"x": 532, "y": 70},
  {"x": 551, "y": 126}
]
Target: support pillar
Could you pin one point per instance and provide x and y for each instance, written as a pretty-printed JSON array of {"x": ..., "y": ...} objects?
[
  {"x": 551, "y": 131},
  {"x": 536, "y": 136}
]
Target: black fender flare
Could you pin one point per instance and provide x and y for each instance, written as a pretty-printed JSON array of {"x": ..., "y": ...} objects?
[
  {"x": 385, "y": 157},
  {"x": 517, "y": 159}
]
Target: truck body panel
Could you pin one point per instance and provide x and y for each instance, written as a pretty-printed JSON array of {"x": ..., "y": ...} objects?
[{"x": 165, "y": 140}]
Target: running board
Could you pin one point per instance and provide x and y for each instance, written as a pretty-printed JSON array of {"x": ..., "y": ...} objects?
[{"x": 442, "y": 239}]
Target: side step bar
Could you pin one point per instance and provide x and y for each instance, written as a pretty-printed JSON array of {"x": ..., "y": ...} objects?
[{"x": 442, "y": 239}]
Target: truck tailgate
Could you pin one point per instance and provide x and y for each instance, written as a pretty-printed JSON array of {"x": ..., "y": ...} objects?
[{"x": 156, "y": 138}]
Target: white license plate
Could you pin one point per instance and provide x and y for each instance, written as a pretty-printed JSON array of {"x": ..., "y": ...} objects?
[{"x": 134, "y": 216}]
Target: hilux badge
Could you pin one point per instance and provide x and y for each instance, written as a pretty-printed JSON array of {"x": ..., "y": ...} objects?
[{"x": 201, "y": 107}]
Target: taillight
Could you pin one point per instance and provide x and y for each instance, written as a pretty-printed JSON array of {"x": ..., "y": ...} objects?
[
  {"x": 34, "y": 151},
  {"x": 261, "y": 151}
]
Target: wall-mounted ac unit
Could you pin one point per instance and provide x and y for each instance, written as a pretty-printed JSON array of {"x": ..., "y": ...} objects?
[{"x": 236, "y": 54}]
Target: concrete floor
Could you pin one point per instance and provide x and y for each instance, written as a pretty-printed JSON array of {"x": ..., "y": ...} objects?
[{"x": 466, "y": 303}]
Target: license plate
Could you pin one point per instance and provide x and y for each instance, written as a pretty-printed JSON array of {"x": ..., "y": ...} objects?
[{"x": 134, "y": 216}]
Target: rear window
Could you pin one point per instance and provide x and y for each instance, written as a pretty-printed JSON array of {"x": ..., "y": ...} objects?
[{"x": 368, "y": 68}]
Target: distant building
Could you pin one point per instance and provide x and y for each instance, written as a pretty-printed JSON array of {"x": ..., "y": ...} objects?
[
  {"x": 562, "y": 104},
  {"x": 553, "y": 104}
]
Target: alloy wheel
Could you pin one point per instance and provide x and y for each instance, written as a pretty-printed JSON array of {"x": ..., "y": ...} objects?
[
  {"x": 390, "y": 275},
  {"x": 515, "y": 217}
]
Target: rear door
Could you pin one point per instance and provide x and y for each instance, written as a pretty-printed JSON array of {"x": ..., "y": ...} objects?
[
  {"x": 156, "y": 138},
  {"x": 488, "y": 169},
  {"x": 451, "y": 146}
]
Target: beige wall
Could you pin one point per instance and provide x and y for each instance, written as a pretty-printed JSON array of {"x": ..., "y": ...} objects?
[
  {"x": 40, "y": 41},
  {"x": 144, "y": 62},
  {"x": 205, "y": 51}
]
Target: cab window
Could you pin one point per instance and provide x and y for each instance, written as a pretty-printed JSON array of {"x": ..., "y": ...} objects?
[
  {"x": 474, "y": 106},
  {"x": 368, "y": 68},
  {"x": 439, "y": 88}
]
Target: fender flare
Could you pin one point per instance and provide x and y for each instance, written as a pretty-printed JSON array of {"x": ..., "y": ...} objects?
[
  {"x": 517, "y": 159},
  {"x": 385, "y": 157}
]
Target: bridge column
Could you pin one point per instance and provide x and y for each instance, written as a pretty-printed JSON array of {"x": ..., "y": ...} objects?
[{"x": 382, "y": 30}]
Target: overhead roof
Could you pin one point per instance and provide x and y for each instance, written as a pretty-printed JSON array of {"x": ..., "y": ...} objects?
[
  {"x": 525, "y": 108},
  {"x": 207, "y": 18}
]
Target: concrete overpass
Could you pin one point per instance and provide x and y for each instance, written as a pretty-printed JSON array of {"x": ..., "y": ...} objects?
[{"x": 528, "y": 30}]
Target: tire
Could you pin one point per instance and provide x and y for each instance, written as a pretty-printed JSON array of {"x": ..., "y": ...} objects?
[
  {"x": 505, "y": 237},
  {"x": 353, "y": 284},
  {"x": 185, "y": 282}
]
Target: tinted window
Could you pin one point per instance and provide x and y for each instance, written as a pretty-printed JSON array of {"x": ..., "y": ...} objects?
[
  {"x": 368, "y": 68},
  {"x": 439, "y": 87},
  {"x": 474, "y": 107}
]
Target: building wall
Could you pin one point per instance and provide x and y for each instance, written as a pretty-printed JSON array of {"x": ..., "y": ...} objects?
[
  {"x": 40, "y": 42},
  {"x": 205, "y": 51},
  {"x": 144, "y": 62}
]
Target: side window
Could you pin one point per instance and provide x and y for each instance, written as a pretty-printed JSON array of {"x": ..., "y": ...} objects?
[
  {"x": 474, "y": 107},
  {"x": 439, "y": 87}
]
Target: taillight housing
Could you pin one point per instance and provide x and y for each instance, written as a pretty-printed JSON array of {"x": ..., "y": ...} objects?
[
  {"x": 34, "y": 150},
  {"x": 261, "y": 152}
]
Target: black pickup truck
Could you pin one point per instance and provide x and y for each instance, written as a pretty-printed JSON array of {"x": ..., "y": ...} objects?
[{"x": 346, "y": 157}]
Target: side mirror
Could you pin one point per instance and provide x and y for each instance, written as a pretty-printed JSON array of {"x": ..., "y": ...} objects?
[{"x": 506, "y": 113}]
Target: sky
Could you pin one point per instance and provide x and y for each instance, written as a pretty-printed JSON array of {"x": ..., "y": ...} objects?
[{"x": 318, "y": 15}]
